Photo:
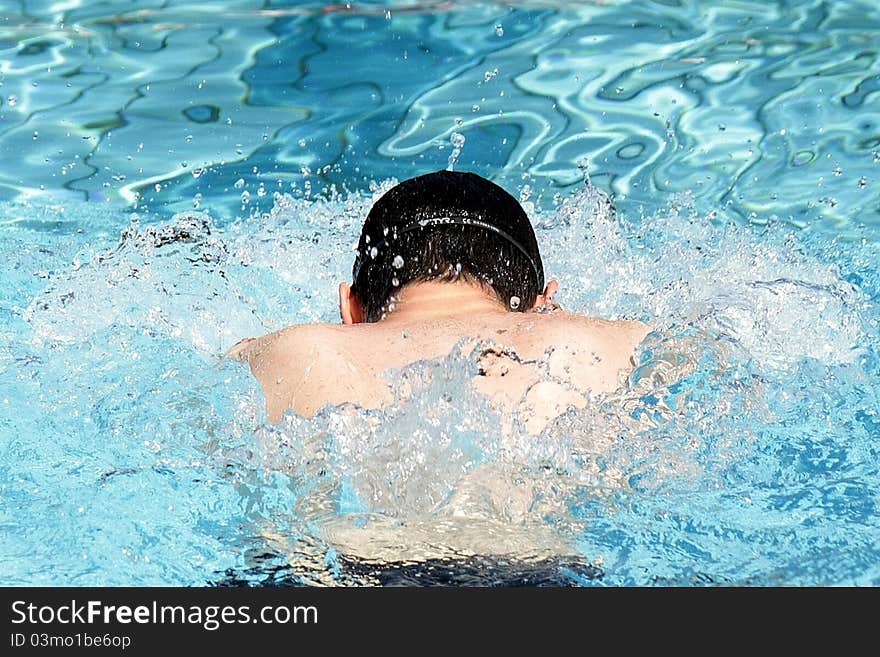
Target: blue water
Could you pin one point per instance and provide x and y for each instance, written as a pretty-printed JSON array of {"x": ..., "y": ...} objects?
[{"x": 174, "y": 178}]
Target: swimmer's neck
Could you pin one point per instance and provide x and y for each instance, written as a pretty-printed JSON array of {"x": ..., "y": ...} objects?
[{"x": 435, "y": 300}]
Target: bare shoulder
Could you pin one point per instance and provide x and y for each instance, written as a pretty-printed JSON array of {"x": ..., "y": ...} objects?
[
  {"x": 242, "y": 349},
  {"x": 298, "y": 367},
  {"x": 565, "y": 326},
  {"x": 292, "y": 340},
  {"x": 591, "y": 353}
]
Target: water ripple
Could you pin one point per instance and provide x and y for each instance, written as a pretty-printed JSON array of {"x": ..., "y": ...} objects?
[{"x": 763, "y": 110}]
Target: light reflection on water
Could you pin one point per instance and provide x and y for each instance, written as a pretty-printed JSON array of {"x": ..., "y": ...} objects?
[
  {"x": 762, "y": 109},
  {"x": 744, "y": 449}
]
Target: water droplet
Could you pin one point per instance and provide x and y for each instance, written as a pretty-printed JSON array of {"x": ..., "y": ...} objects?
[
  {"x": 475, "y": 108},
  {"x": 803, "y": 157},
  {"x": 457, "y": 139},
  {"x": 261, "y": 191},
  {"x": 36, "y": 135},
  {"x": 863, "y": 182},
  {"x": 239, "y": 183},
  {"x": 499, "y": 30},
  {"x": 245, "y": 197},
  {"x": 12, "y": 101},
  {"x": 157, "y": 187},
  {"x": 395, "y": 281},
  {"x": 838, "y": 171},
  {"x": 374, "y": 252},
  {"x": 197, "y": 172},
  {"x": 514, "y": 302},
  {"x": 397, "y": 263},
  {"x": 488, "y": 75}
]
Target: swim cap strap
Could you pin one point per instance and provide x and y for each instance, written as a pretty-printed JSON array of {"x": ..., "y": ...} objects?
[{"x": 451, "y": 221}]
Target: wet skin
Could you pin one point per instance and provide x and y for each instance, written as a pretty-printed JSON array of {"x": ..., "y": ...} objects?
[{"x": 533, "y": 365}]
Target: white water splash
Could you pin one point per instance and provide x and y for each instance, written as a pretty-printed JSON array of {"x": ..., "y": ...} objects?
[{"x": 732, "y": 306}]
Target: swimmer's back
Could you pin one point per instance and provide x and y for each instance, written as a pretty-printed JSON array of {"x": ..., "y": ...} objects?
[{"x": 550, "y": 360}]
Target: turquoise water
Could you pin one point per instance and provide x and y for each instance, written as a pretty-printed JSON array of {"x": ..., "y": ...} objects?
[{"x": 175, "y": 177}]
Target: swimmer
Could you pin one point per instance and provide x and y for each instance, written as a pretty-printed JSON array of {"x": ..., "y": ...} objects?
[{"x": 444, "y": 259}]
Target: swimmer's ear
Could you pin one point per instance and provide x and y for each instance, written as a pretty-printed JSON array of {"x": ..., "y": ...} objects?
[
  {"x": 550, "y": 291},
  {"x": 351, "y": 310}
]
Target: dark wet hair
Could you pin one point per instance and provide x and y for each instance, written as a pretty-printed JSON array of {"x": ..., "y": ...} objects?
[{"x": 445, "y": 226}]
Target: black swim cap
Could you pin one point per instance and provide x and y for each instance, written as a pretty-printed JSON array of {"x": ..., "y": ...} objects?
[{"x": 442, "y": 222}]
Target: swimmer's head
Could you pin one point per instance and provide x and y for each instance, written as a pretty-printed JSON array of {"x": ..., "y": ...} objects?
[{"x": 447, "y": 226}]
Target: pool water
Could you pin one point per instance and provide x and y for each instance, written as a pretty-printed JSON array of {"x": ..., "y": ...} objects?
[{"x": 175, "y": 178}]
